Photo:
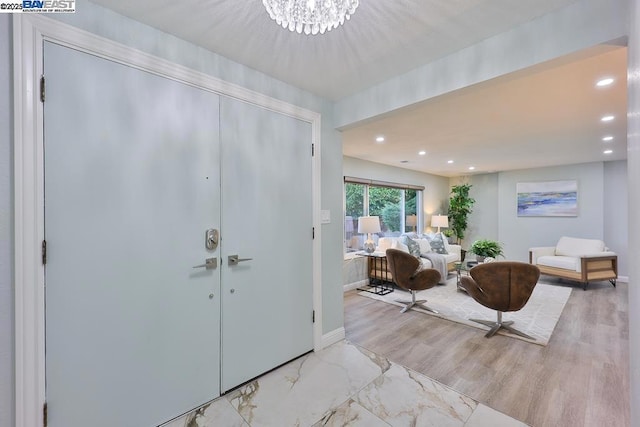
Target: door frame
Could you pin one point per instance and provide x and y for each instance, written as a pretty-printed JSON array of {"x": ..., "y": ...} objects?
[{"x": 29, "y": 33}]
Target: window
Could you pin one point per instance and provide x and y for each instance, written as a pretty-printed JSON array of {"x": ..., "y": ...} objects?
[
  {"x": 411, "y": 210},
  {"x": 396, "y": 205},
  {"x": 354, "y": 197}
]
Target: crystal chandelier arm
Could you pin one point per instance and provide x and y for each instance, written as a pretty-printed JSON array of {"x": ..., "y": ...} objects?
[{"x": 310, "y": 16}]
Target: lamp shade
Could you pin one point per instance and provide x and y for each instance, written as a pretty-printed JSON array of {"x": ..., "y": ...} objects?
[
  {"x": 412, "y": 220},
  {"x": 368, "y": 224},
  {"x": 439, "y": 221}
]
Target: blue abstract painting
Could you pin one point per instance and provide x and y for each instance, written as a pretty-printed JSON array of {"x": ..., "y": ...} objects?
[{"x": 551, "y": 198}]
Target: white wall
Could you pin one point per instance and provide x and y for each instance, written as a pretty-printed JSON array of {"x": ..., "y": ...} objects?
[
  {"x": 518, "y": 234},
  {"x": 483, "y": 221},
  {"x": 354, "y": 271},
  {"x": 602, "y": 205},
  {"x": 616, "y": 212},
  {"x": 633, "y": 165},
  {"x": 6, "y": 226}
]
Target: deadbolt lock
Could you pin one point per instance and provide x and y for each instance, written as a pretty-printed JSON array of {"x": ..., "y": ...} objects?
[{"x": 211, "y": 238}]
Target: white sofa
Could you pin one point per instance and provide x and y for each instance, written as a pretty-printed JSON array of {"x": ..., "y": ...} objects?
[
  {"x": 380, "y": 271},
  {"x": 452, "y": 256},
  {"x": 582, "y": 260}
]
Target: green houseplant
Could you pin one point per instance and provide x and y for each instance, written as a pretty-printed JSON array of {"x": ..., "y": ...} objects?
[
  {"x": 460, "y": 206},
  {"x": 448, "y": 233},
  {"x": 486, "y": 248}
]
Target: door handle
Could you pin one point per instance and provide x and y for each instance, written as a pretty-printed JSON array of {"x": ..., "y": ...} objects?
[
  {"x": 209, "y": 264},
  {"x": 234, "y": 260}
]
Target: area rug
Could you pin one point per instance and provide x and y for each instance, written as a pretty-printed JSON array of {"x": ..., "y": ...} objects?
[{"x": 537, "y": 318}]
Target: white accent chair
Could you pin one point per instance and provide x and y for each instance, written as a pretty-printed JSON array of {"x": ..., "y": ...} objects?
[{"x": 582, "y": 260}]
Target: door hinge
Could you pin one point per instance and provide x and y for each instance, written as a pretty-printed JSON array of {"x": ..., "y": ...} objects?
[
  {"x": 313, "y": 150},
  {"x": 313, "y": 232},
  {"x": 44, "y": 414},
  {"x": 313, "y": 316},
  {"x": 42, "y": 89},
  {"x": 44, "y": 252}
]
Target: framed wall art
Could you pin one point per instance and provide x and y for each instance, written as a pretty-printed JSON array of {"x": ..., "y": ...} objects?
[{"x": 548, "y": 198}]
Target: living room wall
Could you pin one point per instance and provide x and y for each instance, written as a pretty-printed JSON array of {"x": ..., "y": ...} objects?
[
  {"x": 602, "y": 209},
  {"x": 483, "y": 221},
  {"x": 616, "y": 212}
]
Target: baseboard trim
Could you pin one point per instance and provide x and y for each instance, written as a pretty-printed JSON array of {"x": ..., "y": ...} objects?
[
  {"x": 355, "y": 285},
  {"x": 624, "y": 279},
  {"x": 333, "y": 337}
]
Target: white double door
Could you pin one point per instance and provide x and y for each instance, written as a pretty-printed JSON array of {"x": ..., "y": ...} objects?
[{"x": 137, "y": 168}]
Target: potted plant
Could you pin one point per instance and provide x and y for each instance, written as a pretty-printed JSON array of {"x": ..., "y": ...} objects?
[
  {"x": 448, "y": 233},
  {"x": 460, "y": 206},
  {"x": 486, "y": 248}
]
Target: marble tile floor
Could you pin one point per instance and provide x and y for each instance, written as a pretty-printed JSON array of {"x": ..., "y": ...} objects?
[{"x": 344, "y": 385}]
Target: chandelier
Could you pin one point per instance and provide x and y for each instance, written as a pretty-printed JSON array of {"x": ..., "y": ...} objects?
[{"x": 310, "y": 16}]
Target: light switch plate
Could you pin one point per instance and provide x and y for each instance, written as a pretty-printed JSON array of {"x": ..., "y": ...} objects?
[{"x": 325, "y": 217}]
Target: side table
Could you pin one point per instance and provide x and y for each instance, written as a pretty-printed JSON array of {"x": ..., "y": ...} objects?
[{"x": 380, "y": 281}]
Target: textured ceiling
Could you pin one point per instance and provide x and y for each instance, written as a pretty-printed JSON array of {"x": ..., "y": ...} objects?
[
  {"x": 384, "y": 38},
  {"x": 547, "y": 115}
]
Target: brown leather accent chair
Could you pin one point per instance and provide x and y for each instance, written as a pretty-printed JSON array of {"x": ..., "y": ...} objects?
[
  {"x": 501, "y": 286},
  {"x": 403, "y": 268}
]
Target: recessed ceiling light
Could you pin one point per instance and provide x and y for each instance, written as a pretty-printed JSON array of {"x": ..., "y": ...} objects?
[
  {"x": 380, "y": 139},
  {"x": 608, "y": 151},
  {"x": 450, "y": 161},
  {"x": 422, "y": 153},
  {"x": 607, "y": 118},
  {"x": 604, "y": 82},
  {"x": 471, "y": 168},
  {"x": 607, "y": 138}
]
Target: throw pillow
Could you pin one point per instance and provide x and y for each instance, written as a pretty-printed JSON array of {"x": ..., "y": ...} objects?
[
  {"x": 412, "y": 234},
  {"x": 437, "y": 244},
  {"x": 446, "y": 242},
  {"x": 414, "y": 247},
  {"x": 396, "y": 244},
  {"x": 425, "y": 247},
  {"x": 424, "y": 264}
]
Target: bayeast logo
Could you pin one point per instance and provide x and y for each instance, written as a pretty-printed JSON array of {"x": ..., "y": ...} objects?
[{"x": 49, "y": 6}]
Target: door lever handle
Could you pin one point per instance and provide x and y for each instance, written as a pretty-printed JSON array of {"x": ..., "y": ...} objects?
[
  {"x": 209, "y": 264},
  {"x": 234, "y": 260}
]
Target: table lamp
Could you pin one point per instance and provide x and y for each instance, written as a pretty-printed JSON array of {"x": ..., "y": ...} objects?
[
  {"x": 369, "y": 224},
  {"x": 439, "y": 221},
  {"x": 412, "y": 221}
]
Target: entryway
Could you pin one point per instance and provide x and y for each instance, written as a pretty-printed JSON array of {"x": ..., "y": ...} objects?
[{"x": 143, "y": 320}]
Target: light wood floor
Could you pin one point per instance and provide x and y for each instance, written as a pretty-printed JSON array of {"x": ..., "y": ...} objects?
[{"x": 581, "y": 378}]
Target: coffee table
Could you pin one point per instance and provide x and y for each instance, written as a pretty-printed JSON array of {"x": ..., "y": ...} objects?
[{"x": 461, "y": 267}]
